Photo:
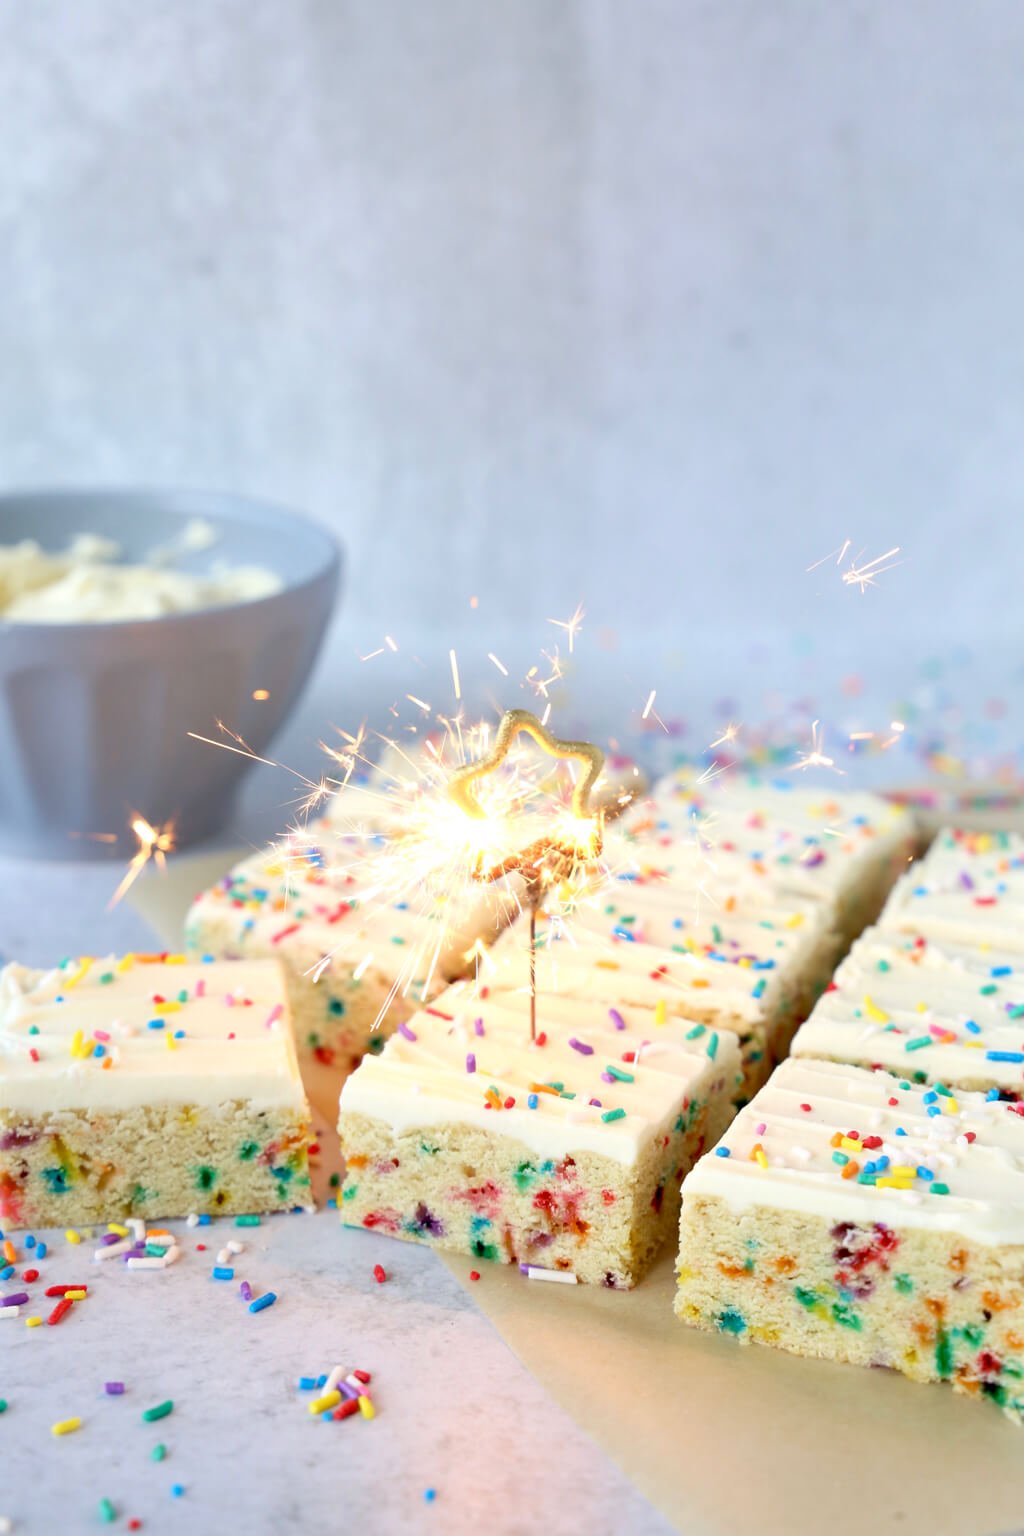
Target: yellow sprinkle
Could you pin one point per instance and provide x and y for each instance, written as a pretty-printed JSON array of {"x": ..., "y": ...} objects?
[
  {"x": 72, "y": 1236},
  {"x": 66, "y": 1426},
  {"x": 366, "y": 1408},
  {"x": 607, "y": 965},
  {"x": 904, "y": 1171},
  {"x": 171, "y": 1007},
  {"x": 125, "y": 963},
  {"x": 951, "y": 1106},
  {"x": 851, "y": 1143},
  {"x": 74, "y": 1295},
  {"x": 115, "y": 1226},
  {"x": 660, "y": 1011},
  {"x": 873, "y": 1012},
  {"x": 795, "y": 921},
  {"x": 172, "y": 1044},
  {"x": 322, "y": 1404},
  {"x": 76, "y": 1043},
  {"x": 175, "y": 959},
  {"x": 33, "y": 1322},
  {"x": 922, "y": 1007},
  {"x": 757, "y": 1155},
  {"x": 892, "y": 1184}
]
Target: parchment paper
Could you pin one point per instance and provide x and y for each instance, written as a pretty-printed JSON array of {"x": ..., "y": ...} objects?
[{"x": 726, "y": 1440}]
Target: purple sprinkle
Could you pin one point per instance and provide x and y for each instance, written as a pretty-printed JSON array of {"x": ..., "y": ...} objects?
[
  {"x": 403, "y": 1029},
  {"x": 581, "y": 1046},
  {"x": 606, "y": 1077},
  {"x": 478, "y": 1025},
  {"x": 470, "y": 1062},
  {"x": 108, "y": 1238},
  {"x": 346, "y": 1390},
  {"x": 597, "y": 1103},
  {"x": 966, "y": 881},
  {"x": 113, "y": 1388},
  {"x": 616, "y": 1018},
  {"x": 245, "y": 1291},
  {"x": 524, "y": 1269},
  {"x": 18, "y": 1299}
]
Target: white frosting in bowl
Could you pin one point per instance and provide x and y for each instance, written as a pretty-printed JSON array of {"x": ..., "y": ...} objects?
[{"x": 87, "y": 582}]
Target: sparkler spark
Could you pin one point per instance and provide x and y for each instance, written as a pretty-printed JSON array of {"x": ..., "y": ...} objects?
[
  {"x": 571, "y": 626},
  {"x": 861, "y": 575},
  {"x": 154, "y": 843},
  {"x": 728, "y": 736},
  {"x": 816, "y": 757}
]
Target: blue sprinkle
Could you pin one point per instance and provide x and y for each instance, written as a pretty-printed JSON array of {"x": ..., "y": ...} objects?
[
  {"x": 721, "y": 1151},
  {"x": 900, "y": 1131},
  {"x": 177, "y": 1490},
  {"x": 1001, "y": 970},
  {"x": 221, "y": 1272},
  {"x": 6, "y": 1272},
  {"x": 1016, "y": 1056},
  {"x": 41, "y": 1250},
  {"x": 99, "y": 1051},
  {"x": 155, "y": 1024},
  {"x": 532, "y": 1101},
  {"x": 307, "y": 1383},
  {"x": 924, "y": 1173},
  {"x": 971, "y": 1027},
  {"x": 623, "y": 933},
  {"x": 993, "y": 1093},
  {"x": 430, "y": 1494},
  {"x": 204, "y": 1220},
  {"x": 263, "y": 1302},
  {"x": 30, "y": 1241},
  {"x": 929, "y": 1097}
]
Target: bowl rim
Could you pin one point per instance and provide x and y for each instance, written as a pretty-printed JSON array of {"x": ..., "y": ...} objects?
[{"x": 173, "y": 499}]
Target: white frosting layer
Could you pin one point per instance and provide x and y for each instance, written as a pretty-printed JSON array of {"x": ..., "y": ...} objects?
[
  {"x": 83, "y": 584},
  {"x": 816, "y": 843},
  {"x": 968, "y": 888},
  {"x": 424, "y": 1082},
  {"x": 88, "y": 1023},
  {"x": 953, "y": 1011},
  {"x": 984, "y": 1176}
]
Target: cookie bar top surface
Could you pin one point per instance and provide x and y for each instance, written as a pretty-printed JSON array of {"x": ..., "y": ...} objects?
[
  {"x": 969, "y": 886},
  {"x": 775, "y": 830},
  {"x": 112, "y": 1034},
  {"x": 582, "y": 1090},
  {"x": 316, "y": 897},
  {"x": 586, "y": 966},
  {"x": 921, "y": 1157},
  {"x": 954, "y": 1011}
]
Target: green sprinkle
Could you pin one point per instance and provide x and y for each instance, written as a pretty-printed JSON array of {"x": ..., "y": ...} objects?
[
  {"x": 619, "y": 1075},
  {"x": 158, "y": 1452},
  {"x": 939, "y": 1189},
  {"x": 918, "y": 1043},
  {"x": 713, "y": 1045},
  {"x": 903, "y": 1283},
  {"x": 987, "y": 991},
  {"x": 247, "y": 1221},
  {"x": 944, "y": 1356},
  {"x": 3, "y": 1405},
  {"x": 883, "y": 965},
  {"x": 805, "y": 1297},
  {"x": 1016, "y": 1012},
  {"x": 731, "y": 1321},
  {"x": 845, "y": 1317},
  {"x": 696, "y": 1032},
  {"x": 107, "y": 1511},
  {"x": 613, "y": 1114},
  {"x": 106, "y": 978},
  {"x": 150, "y": 1415},
  {"x": 840, "y": 1158}
]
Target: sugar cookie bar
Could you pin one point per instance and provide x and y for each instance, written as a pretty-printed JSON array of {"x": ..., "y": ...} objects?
[
  {"x": 854, "y": 1216},
  {"x": 145, "y": 1087},
  {"x": 565, "y": 1153},
  {"x": 355, "y": 965}
]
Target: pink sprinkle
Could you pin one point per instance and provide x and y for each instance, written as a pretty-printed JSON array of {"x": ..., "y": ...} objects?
[
  {"x": 229, "y": 999},
  {"x": 275, "y": 1014},
  {"x": 201, "y": 987},
  {"x": 101, "y": 1034},
  {"x": 761, "y": 1128},
  {"x": 403, "y": 1029}
]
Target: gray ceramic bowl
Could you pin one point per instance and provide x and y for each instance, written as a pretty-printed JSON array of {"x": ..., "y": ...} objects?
[{"x": 94, "y": 718}]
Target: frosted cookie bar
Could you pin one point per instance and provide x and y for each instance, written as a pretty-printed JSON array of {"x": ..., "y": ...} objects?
[
  {"x": 853, "y": 1216},
  {"x": 355, "y": 965},
  {"x": 565, "y": 1153},
  {"x": 952, "y": 1012},
  {"x": 147, "y": 1087},
  {"x": 845, "y": 848},
  {"x": 755, "y": 972},
  {"x": 969, "y": 887}
]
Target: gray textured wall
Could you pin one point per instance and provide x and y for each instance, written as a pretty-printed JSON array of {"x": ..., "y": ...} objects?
[{"x": 648, "y": 303}]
